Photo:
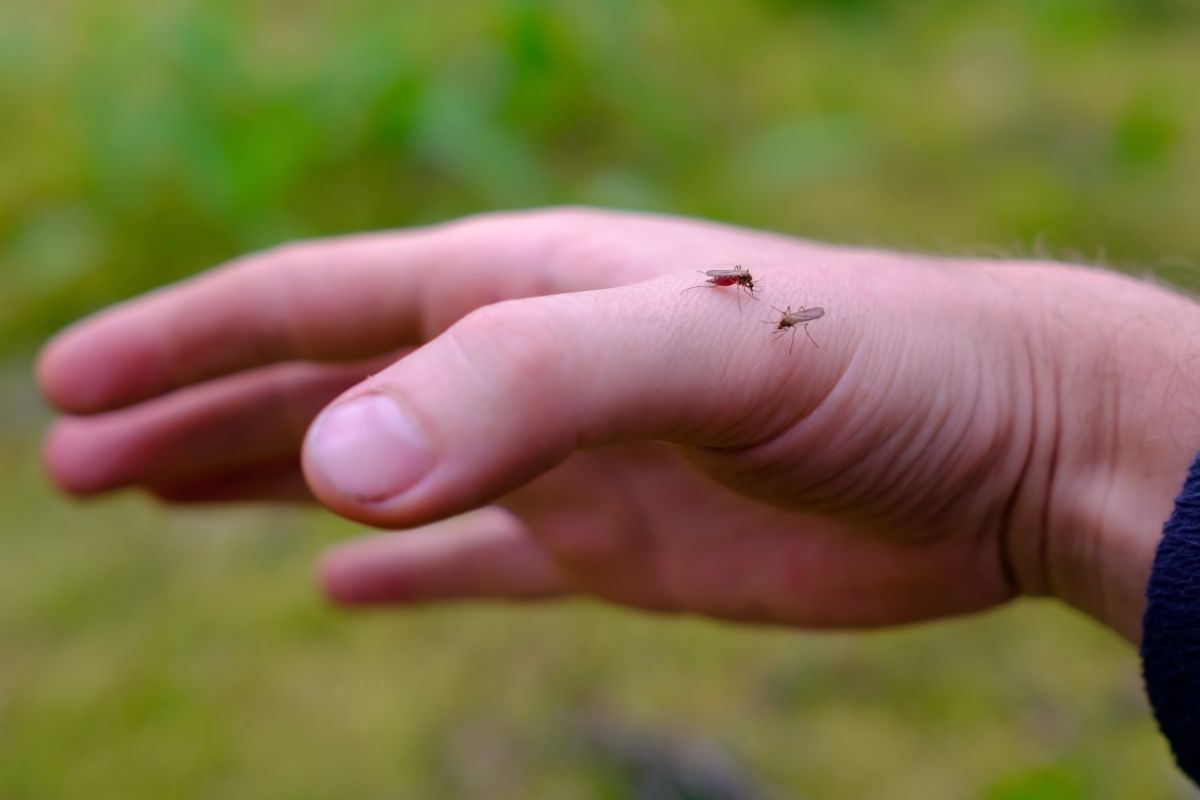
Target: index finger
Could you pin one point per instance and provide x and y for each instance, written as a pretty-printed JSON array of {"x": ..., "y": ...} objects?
[{"x": 330, "y": 300}]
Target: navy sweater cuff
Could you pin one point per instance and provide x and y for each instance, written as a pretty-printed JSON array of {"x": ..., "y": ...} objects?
[{"x": 1171, "y": 629}]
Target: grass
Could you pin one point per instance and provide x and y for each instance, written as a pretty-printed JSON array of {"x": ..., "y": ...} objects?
[{"x": 152, "y": 653}]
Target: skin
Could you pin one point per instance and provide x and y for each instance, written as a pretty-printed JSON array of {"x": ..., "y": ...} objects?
[{"x": 968, "y": 431}]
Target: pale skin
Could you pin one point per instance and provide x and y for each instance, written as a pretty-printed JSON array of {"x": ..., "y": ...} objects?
[{"x": 968, "y": 430}]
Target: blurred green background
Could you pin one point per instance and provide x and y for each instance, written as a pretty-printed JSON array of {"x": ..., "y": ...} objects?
[{"x": 148, "y": 653}]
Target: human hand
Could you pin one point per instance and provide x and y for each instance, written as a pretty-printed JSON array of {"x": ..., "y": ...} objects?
[{"x": 966, "y": 431}]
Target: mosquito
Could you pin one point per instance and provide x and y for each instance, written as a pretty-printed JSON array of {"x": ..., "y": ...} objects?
[
  {"x": 789, "y": 320},
  {"x": 739, "y": 276}
]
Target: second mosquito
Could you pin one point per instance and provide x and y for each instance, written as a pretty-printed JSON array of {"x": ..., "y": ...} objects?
[{"x": 790, "y": 320}]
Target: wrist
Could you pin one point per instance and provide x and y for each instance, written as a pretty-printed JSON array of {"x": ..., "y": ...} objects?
[{"x": 1128, "y": 418}]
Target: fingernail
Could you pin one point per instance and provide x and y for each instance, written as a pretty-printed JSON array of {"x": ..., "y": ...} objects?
[{"x": 368, "y": 449}]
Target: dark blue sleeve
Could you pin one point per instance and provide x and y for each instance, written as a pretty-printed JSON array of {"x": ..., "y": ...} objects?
[{"x": 1171, "y": 629}]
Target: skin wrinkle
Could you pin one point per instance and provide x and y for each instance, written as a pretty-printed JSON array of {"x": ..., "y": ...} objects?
[
  {"x": 913, "y": 505},
  {"x": 827, "y": 485},
  {"x": 909, "y": 506},
  {"x": 544, "y": 273},
  {"x": 897, "y": 453},
  {"x": 765, "y": 450},
  {"x": 169, "y": 353},
  {"x": 727, "y": 459},
  {"x": 1028, "y": 560},
  {"x": 1046, "y": 575},
  {"x": 1104, "y": 596},
  {"x": 977, "y": 465},
  {"x": 981, "y": 466},
  {"x": 1085, "y": 510},
  {"x": 910, "y": 453},
  {"x": 261, "y": 341},
  {"x": 537, "y": 275},
  {"x": 743, "y": 421},
  {"x": 281, "y": 294},
  {"x": 1006, "y": 544},
  {"x": 564, "y": 257},
  {"x": 429, "y": 253},
  {"x": 303, "y": 293},
  {"x": 433, "y": 319},
  {"x": 495, "y": 323},
  {"x": 797, "y": 418},
  {"x": 765, "y": 428},
  {"x": 838, "y": 500}
]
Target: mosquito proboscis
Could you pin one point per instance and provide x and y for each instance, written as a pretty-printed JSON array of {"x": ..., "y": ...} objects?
[{"x": 790, "y": 320}]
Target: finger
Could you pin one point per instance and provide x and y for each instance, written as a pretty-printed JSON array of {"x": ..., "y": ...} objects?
[
  {"x": 276, "y": 306},
  {"x": 279, "y": 482},
  {"x": 236, "y": 422},
  {"x": 486, "y": 554},
  {"x": 338, "y": 299},
  {"x": 513, "y": 388}
]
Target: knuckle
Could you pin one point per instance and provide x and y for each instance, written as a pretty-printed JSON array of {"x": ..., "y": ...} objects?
[
  {"x": 559, "y": 219},
  {"x": 551, "y": 247},
  {"x": 592, "y": 257},
  {"x": 277, "y": 279},
  {"x": 536, "y": 235},
  {"x": 281, "y": 257},
  {"x": 518, "y": 341},
  {"x": 584, "y": 545}
]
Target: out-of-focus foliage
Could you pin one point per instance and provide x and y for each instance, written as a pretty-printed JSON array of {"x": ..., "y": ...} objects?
[
  {"x": 144, "y": 141},
  {"x": 146, "y": 654}
]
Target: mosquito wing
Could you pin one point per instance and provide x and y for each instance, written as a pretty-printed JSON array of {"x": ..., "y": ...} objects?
[
  {"x": 807, "y": 315},
  {"x": 725, "y": 273}
]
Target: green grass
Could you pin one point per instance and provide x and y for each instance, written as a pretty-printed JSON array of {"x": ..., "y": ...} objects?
[
  {"x": 146, "y": 653},
  {"x": 151, "y": 653}
]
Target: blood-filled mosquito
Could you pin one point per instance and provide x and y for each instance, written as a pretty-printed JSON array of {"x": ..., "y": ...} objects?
[
  {"x": 739, "y": 276},
  {"x": 790, "y": 320}
]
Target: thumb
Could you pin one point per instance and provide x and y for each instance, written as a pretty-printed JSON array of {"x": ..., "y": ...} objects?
[{"x": 513, "y": 388}]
